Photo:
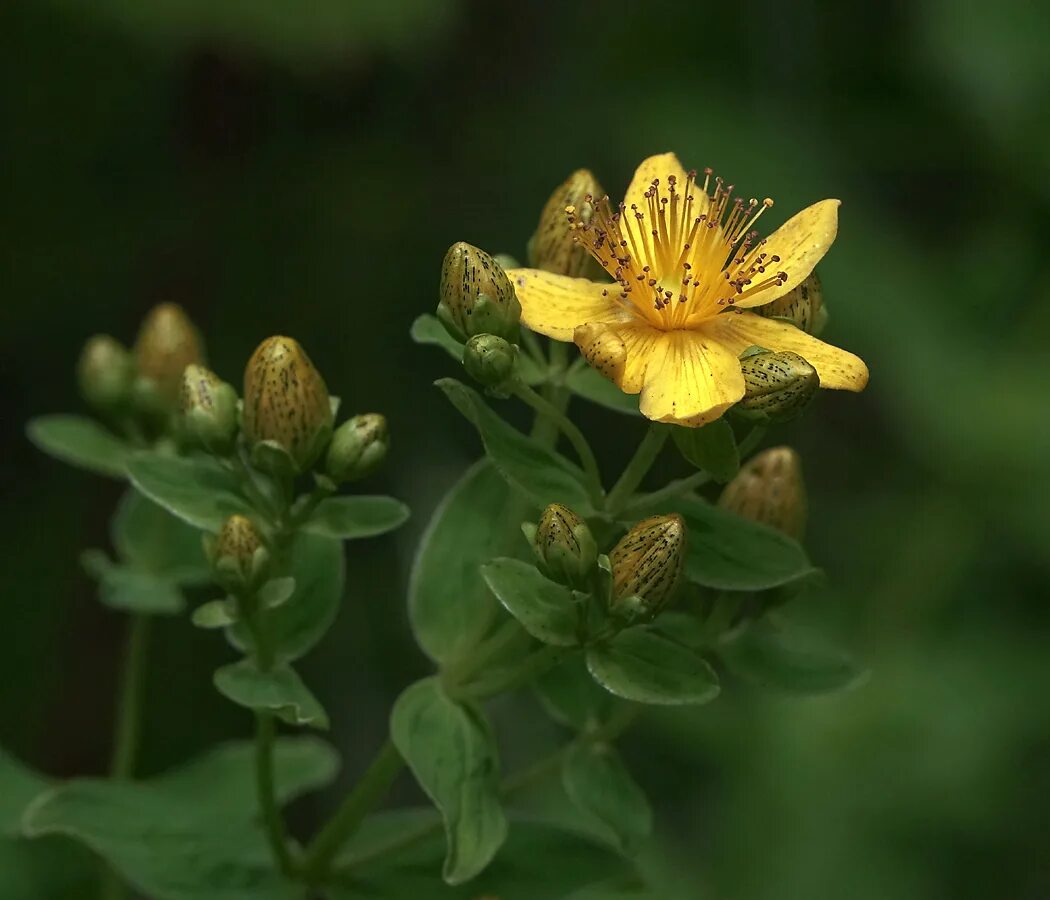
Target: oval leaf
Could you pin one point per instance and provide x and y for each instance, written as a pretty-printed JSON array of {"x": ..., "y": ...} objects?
[
  {"x": 196, "y": 489},
  {"x": 541, "y": 474},
  {"x": 81, "y": 442},
  {"x": 598, "y": 784},
  {"x": 546, "y": 610},
  {"x": 280, "y": 691},
  {"x": 350, "y": 518},
  {"x": 451, "y": 751},
  {"x": 642, "y": 665},
  {"x": 570, "y": 696},
  {"x": 711, "y": 448},
  {"x": 132, "y": 590},
  {"x": 152, "y": 539},
  {"x": 587, "y": 383}
]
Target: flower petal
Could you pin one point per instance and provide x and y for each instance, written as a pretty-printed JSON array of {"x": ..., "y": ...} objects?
[
  {"x": 837, "y": 368},
  {"x": 555, "y": 305},
  {"x": 690, "y": 379},
  {"x": 659, "y": 166},
  {"x": 801, "y": 243},
  {"x": 620, "y": 351}
]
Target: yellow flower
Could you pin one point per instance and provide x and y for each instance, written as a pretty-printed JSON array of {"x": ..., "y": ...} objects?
[{"x": 687, "y": 267}]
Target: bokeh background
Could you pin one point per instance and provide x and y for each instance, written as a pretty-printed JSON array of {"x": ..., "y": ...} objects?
[{"x": 301, "y": 168}]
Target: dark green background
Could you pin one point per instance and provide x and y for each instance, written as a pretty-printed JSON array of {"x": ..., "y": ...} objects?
[{"x": 302, "y": 170}]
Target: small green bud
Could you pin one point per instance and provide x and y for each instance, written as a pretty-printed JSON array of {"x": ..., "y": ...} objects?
[
  {"x": 778, "y": 387},
  {"x": 564, "y": 546},
  {"x": 286, "y": 402},
  {"x": 553, "y": 246},
  {"x": 803, "y": 306},
  {"x": 489, "y": 359},
  {"x": 209, "y": 410},
  {"x": 238, "y": 554},
  {"x": 167, "y": 342},
  {"x": 105, "y": 373},
  {"x": 647, "y": 567},
  {"x": 477, "y": 297},
  {"x": 358, "y": 447},
  {"x": 769, "y": 489}
]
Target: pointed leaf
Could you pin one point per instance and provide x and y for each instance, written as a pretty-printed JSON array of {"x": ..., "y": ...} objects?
[
  {"x": 545, "y": 610},
  {"x": 351, "y": 518},
  {"x": 571, "y": 697},
  {"x": 195, "y": 489},
  {"x": 280, "y": 691},
  {"x": 81, "y": 442},
  {"x": 153, "y": 540}
]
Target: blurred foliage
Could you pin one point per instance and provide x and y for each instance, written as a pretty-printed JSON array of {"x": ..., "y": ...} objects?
[{"x": 301, "y": 168}]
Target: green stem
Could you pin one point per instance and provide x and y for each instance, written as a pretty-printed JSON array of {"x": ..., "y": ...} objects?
[
  {"x": 579, "y": 442},
  {"x": 276, "y": 833},
  {"x": 127, "y": 733},
  {"x": 638, "y": 467},
  {"x": 492, "y": 646},
  {"x": 368, "y": 791},
  {"x": 535, "y": 664}
]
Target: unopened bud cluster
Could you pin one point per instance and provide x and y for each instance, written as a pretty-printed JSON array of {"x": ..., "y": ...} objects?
[
  {"x": 239, "y": 557},
  {"x": 802, "y": 306},
  {"x": 564, "y": 546},
  {"x": 778, "y": 386},
  {"x": 647, "y": 566},
  {"x": 769, "y": 489},
  {"x": 476, "y": 296},
  {"x": 209, "y": 410},
  {"x": 167, "y": 342},
  {"x": 552, "y": 247},
  {"x": 358, "y": 448}
]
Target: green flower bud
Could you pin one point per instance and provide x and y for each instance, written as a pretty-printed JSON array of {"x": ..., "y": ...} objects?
[
  {"x": 286, "y": 404},
  {"x": 803, "y": 306},
  {"x": 769, "y": 489},
  {"x": 553, "y": 247},
  {"x": 358, "y": 447},
  {"x": 564, "y": 546},
  {"x": 209, "y": 410},
  {"x": 477, "y": 297},
  {"x": 647, "y": 567},
  {"x": 238, "y": 555},
  {"x": 489, "y": 359},
  {"x": 167, "y": 342},
  {"x": 778, "y": 386},
  {"x": 105, "y": 373}
]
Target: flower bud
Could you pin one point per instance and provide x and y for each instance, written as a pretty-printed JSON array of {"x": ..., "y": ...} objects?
[
  {"x": 239, "y": 556},
  {"x": 105, "y": 372},
  {"x": 286, "y": 405},
  {"x": 477, "y": 297},
  {"x": 778, "y": 386},
  {"x": 358, "y": 447},
  {"x": 489, "y": 359},
  {"x": 769, "y": 489},
  {"x": 564, "y": 546},
  {"x": 209, "y": 409},
  {"x": 802, "y": 306},
  {"x": 552, "y": 246},
  {"x": 167, "y": 342},
  {"x": 647, "y": 566}
]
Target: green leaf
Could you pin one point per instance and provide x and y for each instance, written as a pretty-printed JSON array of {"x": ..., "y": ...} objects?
[
  {"x": 51, "y": 869},
  {"x": 151, "y": 539},
  {"x": 570, "y": 696},
  {"x": 426, "y": 329},
  {"x": 451, "y": 751},
  {"x": 587, "y": 383},
  {"x": 541, "y": 474},
  {"x": 276, "y": 592},
  {"x": 641, "y": 664},
  {"x": 711, "y": 448},
  {"x": 280, "y": 691},
  {"x": 350, "y": 518},
  {"x": 538, "y": 861},
  {"x": 18, "y": 786},
  {"x": 545, "y": 610},
  {"x": 195, "y": 489},
  {"x": 81, "y": 442},
  {"x": 317, "y": 565},
  {"x": 598, "y": 783},
  {"x": 449, "y": 605},
  {"x": 775, "y": 654},
  {"x": 215, "y": 614},
  {"x": 131, "y": 590},
  {"x": 190, "y": 834}
]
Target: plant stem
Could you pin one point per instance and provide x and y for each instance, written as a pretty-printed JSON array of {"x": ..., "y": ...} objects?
[
  {"x": 638, "y": 467},
  {"x": 579, "y": 442},
  {"x": 368, "y": 791},
  {"x": 276, "y": 834},
  {"x": 535, "y": 664},
  {"x": 127, "y": 733}
]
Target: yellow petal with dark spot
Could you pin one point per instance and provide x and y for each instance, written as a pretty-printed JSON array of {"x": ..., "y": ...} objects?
[{"x": 555, "y": 305}]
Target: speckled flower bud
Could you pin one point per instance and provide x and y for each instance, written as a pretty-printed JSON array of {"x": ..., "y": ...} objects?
[
  {"x": 489, "y": 359},
  {"x": 552, "y": 246},
  {"x": 769, "y": 489},
  {"x": 358, "y": 447},
  {"x": 778, "y": 386},
  {"x": 239, "y": 557},
  {"x": 803, "y": 306},
  {"x": 647, "y": 567},
  {"x": 167, "y": 342},
  {"x": 105, "y": 373},
  {"x": 477, "y": 297},
  {"x": 564, "y": 546},
  {"x": 209, "y": 409},
  {"x": 286, "y": 405}
]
